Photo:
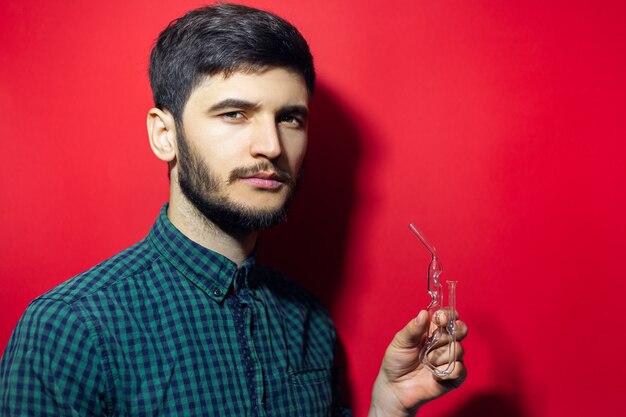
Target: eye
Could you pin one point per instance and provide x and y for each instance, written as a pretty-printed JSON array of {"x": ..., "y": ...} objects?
[
  {"x": 291, "y": 121},
  {"x": 233, "y": 116}
]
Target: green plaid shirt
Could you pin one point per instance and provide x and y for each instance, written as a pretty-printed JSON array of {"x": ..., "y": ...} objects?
[{"x": 170, "y": 328}]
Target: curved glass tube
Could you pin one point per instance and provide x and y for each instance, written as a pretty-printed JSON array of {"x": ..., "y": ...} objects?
[{"x": 442, "y": 318}]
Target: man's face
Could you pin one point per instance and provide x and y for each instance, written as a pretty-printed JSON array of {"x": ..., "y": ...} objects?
[{"x": 241, "y": 147}]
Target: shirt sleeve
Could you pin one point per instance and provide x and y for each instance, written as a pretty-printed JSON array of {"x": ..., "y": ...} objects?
[
  {"x": 338, "y": 408},
  {"x": 52, "y": 365}
]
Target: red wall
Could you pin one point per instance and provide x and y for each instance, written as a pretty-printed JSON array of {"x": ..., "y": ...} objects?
[{"x": 498, "y": 127}]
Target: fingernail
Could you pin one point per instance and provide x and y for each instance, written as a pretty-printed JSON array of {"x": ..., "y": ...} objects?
[
  {"x": 439, "y": 318},
  {"x": 421, "y": 318}
]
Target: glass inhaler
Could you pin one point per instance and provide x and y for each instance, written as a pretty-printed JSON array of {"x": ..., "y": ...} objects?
[{"x": 442, "y": 318}]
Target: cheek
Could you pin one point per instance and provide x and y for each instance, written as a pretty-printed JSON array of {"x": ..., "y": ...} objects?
[
  {"x": 221, "y": 154},
  {"x": 218, "y": 162},
  {"x": 295, "y": 151}
]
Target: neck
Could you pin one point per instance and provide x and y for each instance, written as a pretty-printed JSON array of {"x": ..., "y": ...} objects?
[{"x": 201, "y": 230}]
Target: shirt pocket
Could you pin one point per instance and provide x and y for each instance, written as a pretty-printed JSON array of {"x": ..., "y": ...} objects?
[{"x": 311, "y": 391}]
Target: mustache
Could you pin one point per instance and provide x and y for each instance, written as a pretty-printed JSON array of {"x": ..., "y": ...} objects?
[{"x": 264, "y": 166}]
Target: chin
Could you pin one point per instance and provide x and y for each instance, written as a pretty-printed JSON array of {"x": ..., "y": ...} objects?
[
  {"x": 261, "y": 209},
  {"x": 262, "y": 203}
]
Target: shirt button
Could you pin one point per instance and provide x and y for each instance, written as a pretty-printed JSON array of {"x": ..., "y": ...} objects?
[{"x": 217, "y": 292}]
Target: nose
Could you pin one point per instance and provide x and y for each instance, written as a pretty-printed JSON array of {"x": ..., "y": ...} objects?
[{"x": 265, "y": 141}]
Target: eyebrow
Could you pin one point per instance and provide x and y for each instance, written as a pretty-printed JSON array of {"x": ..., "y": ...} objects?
[
  {"x": 235, "y": 103},
  {"x": 230, "y": 103},
  {"x": 296, "y": 109}
]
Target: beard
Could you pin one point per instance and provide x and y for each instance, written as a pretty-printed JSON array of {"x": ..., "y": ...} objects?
[{"x": 205, "y": 191}]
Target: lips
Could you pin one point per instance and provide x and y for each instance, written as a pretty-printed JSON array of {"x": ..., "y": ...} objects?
[
  {"x": 267, "y": 180},
  {"x": 264, "y": 176}
]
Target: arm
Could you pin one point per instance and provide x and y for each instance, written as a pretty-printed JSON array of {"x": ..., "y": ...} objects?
[
  {"x": 403, "y": 383},
  {"x": 51, "y": 365}
]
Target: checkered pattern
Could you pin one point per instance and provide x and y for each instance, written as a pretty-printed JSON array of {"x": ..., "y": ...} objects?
[{"x": 170, "y": 328}]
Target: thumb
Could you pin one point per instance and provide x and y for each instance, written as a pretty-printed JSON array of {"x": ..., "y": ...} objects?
[{"x": 411, "y": 335}]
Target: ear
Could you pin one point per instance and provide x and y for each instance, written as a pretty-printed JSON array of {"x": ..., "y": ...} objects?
[{"x": 162, "y": 134}]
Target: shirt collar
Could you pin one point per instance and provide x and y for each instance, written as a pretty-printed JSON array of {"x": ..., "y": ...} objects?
[{"x": 210, "y": 271}]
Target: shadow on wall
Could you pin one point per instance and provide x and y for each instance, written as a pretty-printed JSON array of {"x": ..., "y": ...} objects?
[
  {"x": 310, "y": 247},
  {"x": 489, "y": 405},
  {"x": 508, "y": 399}
]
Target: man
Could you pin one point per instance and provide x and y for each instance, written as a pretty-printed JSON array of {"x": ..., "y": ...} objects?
[{"x": 186, "y": 323}]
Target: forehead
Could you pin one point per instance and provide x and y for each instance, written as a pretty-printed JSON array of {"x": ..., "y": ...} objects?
[{"x": 275, "y": 85}]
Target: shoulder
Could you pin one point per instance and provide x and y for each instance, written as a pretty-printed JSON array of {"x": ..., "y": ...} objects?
[
  {"x": 53, "y": 362},
  {"x": 61, "y": 330},
  {"x": 61, "y": 309},
  {"x": 120, "y": 267}
]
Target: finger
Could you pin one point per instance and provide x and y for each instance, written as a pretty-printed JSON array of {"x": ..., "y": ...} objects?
[
  {"x": 455, "y": 378},
  {"x": 441, "y": 317},
  {"x": 446, "y": 354},
  {"x": 412, "y": 334},
  {"x": 442, "y": 337},
  {"x": 460, "y": 330}
]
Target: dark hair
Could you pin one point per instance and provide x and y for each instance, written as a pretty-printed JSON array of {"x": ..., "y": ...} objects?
[{"x": 222, "y": 38}]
